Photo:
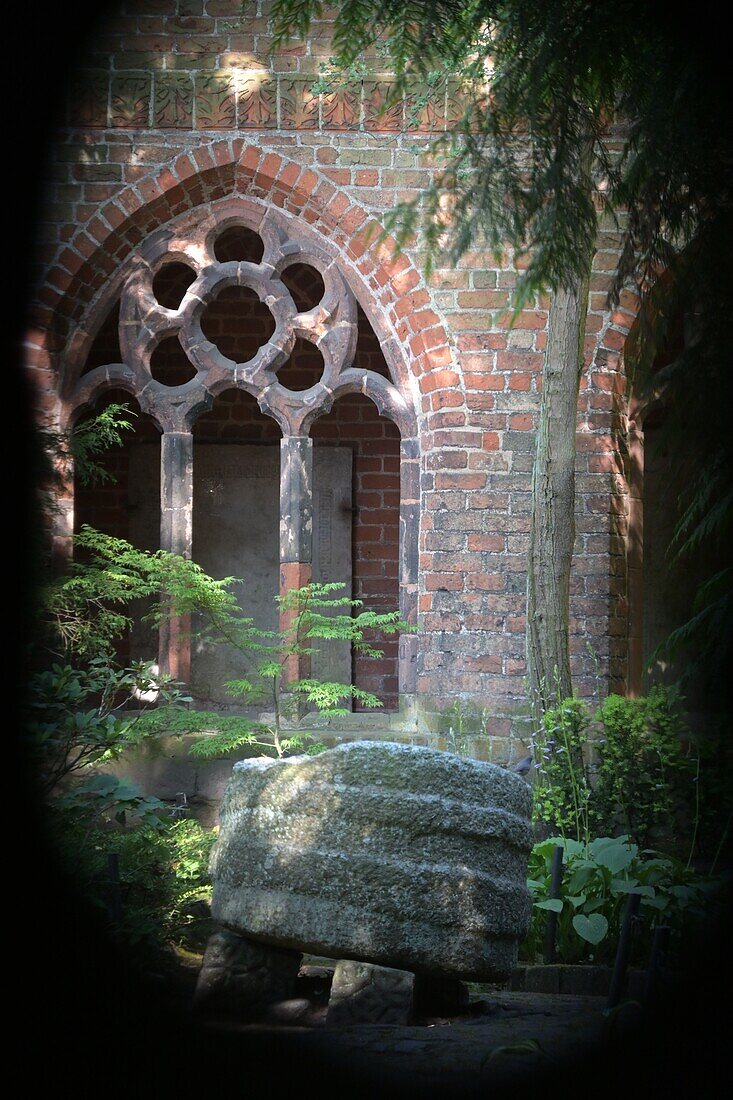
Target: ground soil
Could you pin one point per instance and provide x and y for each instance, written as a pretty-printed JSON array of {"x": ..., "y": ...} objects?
[{"x": 503, "y": 1044}]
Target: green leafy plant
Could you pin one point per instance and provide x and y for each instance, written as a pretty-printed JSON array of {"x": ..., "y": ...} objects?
[
  {"x": 631, "y": 767},
  {"x": 562, "y": 788},
  {"x": 645, "y": 779},
  {"x": 314, "y": 612},
  {"x": 86, "y": 611},
  {"x": 92, "y": 437},
  {"x": 78, "y": 718},
  {"x": 598, "y": 877},
  {"x": 163, "y": 889},
  {"x": 462, "y": 726}
]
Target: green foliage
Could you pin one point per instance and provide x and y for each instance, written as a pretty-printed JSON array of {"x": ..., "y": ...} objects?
[
  {"x": 462, "y": 727},
  {"x": 86, "y": 611},
  {"x": 633, "y": 767},
  {"x": 92, "y": 437},
  {"x": 539, "y": 81},
  {"x": 598, "y": 877},
  {"x": 77, "y": 718},
  {"x": 644, "y": 783},
  {"x": 164, "y": 887},
  {"x": 315, "y": 612},
  {"x": 81, "y": 446},
  {"x": 562, "y": 789}
]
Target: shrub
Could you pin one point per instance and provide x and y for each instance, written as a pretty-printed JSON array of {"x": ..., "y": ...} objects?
[
  {"x": 644, "y": 784},
  {"x": 597, "y": 880},
  {"x": 562, "y": 788},
  {"x": 164, "y": 886}
]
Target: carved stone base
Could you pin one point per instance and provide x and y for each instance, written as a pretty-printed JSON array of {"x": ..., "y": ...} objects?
[
  {"x": 362, "y": 993},
  {"x": 242, "y": 979}
]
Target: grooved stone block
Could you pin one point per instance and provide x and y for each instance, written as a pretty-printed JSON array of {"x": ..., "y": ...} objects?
[
  {"x": 393, "y": 854},
  {"x": 362, "y": 993}
]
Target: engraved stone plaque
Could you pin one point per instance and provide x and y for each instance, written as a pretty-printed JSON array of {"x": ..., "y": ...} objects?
[{"x": 236, "y": 517}]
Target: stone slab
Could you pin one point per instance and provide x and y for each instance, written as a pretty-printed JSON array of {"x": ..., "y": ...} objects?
[{"x": 382, "y": 852}]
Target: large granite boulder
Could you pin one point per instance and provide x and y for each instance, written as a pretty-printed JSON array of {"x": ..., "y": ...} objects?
[{"x": 393, "y": 854}]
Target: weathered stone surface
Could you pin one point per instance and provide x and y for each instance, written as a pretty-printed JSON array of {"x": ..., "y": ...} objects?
[
  {"x": 242, "y": 979},
  {"x": 362, "y": 993},
  {"x": 394, "y": 854}
]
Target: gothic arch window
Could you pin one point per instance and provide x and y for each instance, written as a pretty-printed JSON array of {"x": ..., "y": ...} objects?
[{"x": 236, "y": 314}]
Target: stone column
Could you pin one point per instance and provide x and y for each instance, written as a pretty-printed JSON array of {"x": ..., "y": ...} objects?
[
  {"x": 62, "y": 515},
  {"x": 176, "y": 535},
  {"x": 296, "y": 532},
  {"x": 409, "y": 560}
]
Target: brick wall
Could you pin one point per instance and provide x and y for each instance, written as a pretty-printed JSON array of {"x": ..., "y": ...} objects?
[{"x": 179, "y": 105}]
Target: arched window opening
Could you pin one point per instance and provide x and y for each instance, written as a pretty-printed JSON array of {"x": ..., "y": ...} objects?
[
  {"x": 369, "y": 354},
  {"x": 171, "y": 283},
  {"x": 169, "y": 363},
  {"x": 304, "y": 367},
  {"x": 238, "y": 243},
  {"x": 123, "y": 500},
  {"x": 236, "y": 510},
  {"x": 305, "y": 284}
]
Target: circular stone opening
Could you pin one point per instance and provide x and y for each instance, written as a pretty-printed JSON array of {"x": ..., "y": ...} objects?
[
  {"x": 237, "y": 323},
  {"x": 169, "y": 363},
  {"x": 239, "y": 243},
  {"x": 171, "y": 283},
  {"x": 303, "y": 369},
  {"x": 305, "y": 284}
]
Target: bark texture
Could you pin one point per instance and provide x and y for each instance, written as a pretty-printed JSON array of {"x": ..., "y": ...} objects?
[{"x": 552, "y": 530}]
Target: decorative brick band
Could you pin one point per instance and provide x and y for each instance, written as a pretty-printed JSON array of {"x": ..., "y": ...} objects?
[{"x": 254, "y": 99}]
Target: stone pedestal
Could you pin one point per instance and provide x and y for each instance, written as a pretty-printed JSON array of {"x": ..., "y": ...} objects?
[
  {"x": 242, "y": 979},
  {"x": 362, "y": 993}
]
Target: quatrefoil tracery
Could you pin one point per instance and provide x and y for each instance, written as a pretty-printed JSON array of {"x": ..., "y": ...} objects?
[{"x": 330, "y": 325}]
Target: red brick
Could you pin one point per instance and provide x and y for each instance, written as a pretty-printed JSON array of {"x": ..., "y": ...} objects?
[
  {"x": 463, "y": 481},
  {"x": 250, "y": 159},
  {"x": 484, "y": 381},
  {"x": 492, "y": 543},
  {"x": 519, "y": 361},
  {"x": 451, "y": 582},
  {"x": 438, "y": 380}
]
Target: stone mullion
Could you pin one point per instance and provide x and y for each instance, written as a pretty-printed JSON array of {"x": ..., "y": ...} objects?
[
  {"x": 176, "y": 536},
  {"x": 296, "y": 534},
  {"x": 409, "y": 560}
]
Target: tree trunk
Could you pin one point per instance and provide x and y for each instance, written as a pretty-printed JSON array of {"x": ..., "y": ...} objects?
[{"x": 552, "y": 529}]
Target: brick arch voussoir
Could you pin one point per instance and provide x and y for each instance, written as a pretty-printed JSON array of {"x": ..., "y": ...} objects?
[
  {"x": 301, "y": 191},
  {"x": 606, "y": 353}
]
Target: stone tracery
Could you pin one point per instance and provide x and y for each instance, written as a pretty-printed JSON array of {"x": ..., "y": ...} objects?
[
  {"x": 295, "y": 295},
  {"x": 330, "y": 325}
]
